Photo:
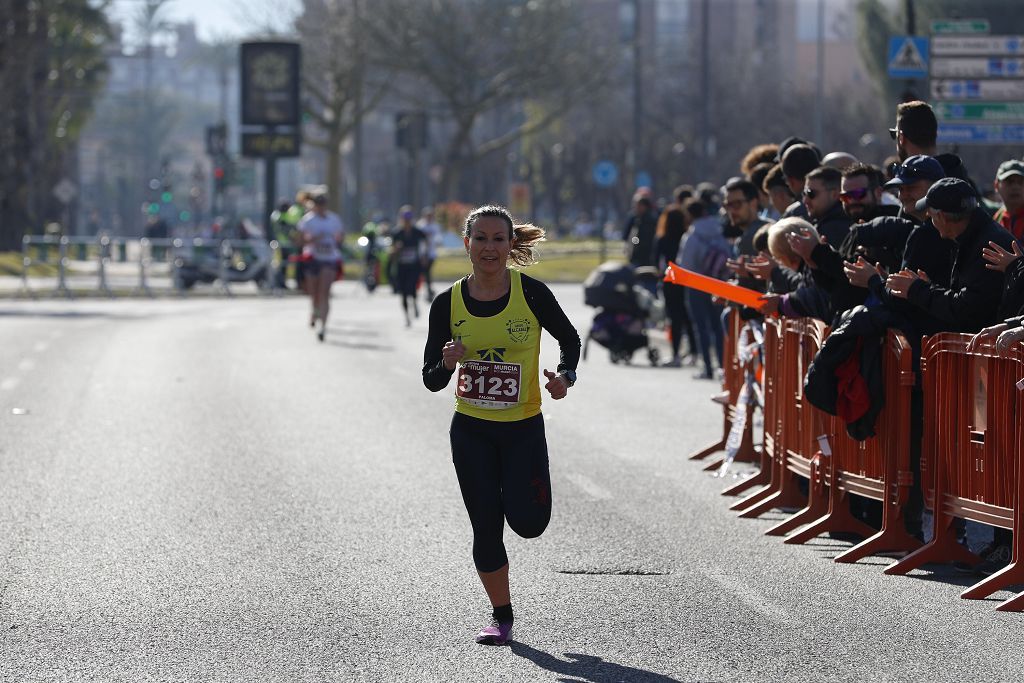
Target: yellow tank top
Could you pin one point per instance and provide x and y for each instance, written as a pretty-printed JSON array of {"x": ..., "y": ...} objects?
[{"x": 498, "y": 378}]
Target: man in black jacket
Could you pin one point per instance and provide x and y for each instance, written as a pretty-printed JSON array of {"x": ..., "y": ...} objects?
[
  {"x": 971, "y": 300},
  {"x": 821, "y": 198}
]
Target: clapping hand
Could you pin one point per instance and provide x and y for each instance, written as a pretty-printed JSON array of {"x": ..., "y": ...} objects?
[
  {"x": 998, "y": 258},
  {"x": 860, "y": 272},
  {"x": 761, "y": 267},
  {"x": 803, "y": 243},
  {"x": 899, "y": 283}
]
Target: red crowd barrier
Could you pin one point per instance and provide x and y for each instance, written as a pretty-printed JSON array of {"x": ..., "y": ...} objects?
[
  {"x": 971, "y": 452},
  {"x": 877, "y": 468}
]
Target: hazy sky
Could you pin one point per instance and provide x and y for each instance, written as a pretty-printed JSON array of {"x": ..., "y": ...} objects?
[{"x": 214, "y": 18}]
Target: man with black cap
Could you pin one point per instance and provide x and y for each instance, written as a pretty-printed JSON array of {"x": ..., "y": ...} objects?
[
  {"x": 909, "y": 238},
  {"x": 1010, "y": 187},
  {"x": 971, "y": 300}
]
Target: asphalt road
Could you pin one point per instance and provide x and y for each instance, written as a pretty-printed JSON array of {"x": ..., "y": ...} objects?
[{"x": 199, "y": 491}]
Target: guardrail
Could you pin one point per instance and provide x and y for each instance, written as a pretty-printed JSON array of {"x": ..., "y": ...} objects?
[{"x": 220, "y": 262}]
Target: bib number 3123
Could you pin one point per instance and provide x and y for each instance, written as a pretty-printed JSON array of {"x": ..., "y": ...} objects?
[{"x": 487, "y": 384}]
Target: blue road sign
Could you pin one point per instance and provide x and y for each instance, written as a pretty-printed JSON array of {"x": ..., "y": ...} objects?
[
  {"x": 908, "y": 57},
  {"x": 605, "y": 173},
  {"x": 980, "y": 134},
  {"x": 643, "y": 179}
]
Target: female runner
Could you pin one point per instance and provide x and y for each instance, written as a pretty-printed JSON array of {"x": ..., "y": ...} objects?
[
  {"x": 488, "y": 326},
  {"x": 322, "y": 233}
]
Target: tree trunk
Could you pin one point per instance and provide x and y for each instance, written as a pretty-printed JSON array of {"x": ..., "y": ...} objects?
[{"x": 333, "y": 180}]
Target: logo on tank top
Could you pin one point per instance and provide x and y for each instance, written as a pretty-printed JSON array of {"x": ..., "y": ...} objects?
[
  {"x": 518, "y": 330},
  {"x": 495, "y": 354}
]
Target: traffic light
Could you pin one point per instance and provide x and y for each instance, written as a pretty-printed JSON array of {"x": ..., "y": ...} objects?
[
  {"x": 167, "y": 196},
  {"x": 220, "y": 177}
]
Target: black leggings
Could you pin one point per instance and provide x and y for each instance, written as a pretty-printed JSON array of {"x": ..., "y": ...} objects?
[
  {"x": 678, "y": 318},
  {"x": 503, "y": 474}
]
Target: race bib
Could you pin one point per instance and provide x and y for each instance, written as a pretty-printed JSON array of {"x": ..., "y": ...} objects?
[
  {"x": 324, "y": 249},
  {"x": 487, "y": 384}
]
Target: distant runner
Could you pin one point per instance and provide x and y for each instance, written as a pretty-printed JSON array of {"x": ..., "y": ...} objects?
[{"x": 321, "y": 238}]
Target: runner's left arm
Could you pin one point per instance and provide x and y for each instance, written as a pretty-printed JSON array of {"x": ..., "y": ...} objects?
[{"x": 553, "y": 319}]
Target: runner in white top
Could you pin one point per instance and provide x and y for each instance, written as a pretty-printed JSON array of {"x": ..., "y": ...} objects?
[
  {"x": 432, "y": 229},
  {"x": 321, "y": 239}
]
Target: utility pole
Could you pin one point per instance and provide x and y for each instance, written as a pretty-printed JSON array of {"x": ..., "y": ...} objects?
[
  {"x": 356, "y": 210},
  {"x": 819, "y": 96},
  {"x": 638, "y": 104},
  {"x": 705, "y": 90},
  {"x": 908, "y": 6}
]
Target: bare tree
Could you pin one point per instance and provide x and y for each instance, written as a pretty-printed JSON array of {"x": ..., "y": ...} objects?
[
  {"x": 336, "y": 89},
  {"x": 473, "y": 59},
  {"x": 51, "y": 66}
]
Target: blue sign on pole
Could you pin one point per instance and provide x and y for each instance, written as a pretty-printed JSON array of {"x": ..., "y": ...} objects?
[
  {"x": 605, "y": 173},
  {"x": 980, "y": 134},
  {"x": 908, "y": 57},
  {"x": 643, "y": 179}
]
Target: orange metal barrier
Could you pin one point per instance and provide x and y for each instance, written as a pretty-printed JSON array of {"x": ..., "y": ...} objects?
[
  {"x": 797, "y": 425},
  {"x": 733, "y": 383},
  {"x": 876, "y": 468},
  {"x": 972, "y": 448}
]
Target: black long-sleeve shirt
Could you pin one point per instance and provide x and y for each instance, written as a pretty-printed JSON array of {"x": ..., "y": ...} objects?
[{"x": 541, "y": 302}]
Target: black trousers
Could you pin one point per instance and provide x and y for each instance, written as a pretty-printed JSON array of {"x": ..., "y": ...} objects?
[{"x": 503, "y": 474}]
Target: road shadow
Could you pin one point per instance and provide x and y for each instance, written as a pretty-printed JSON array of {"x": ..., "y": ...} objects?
[
  {"x": 7, "y": 313},
  {"x": 587, "y": 667},
  {"x": 366, "y": 346}
]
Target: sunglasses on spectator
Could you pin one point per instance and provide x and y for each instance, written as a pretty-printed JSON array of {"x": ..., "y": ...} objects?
[
  {"x": 736, "y": 203},
  {"x": 893, "y": 132},
  {"x": 811, "y": 194},
  {"x": 854, "y": 195}
]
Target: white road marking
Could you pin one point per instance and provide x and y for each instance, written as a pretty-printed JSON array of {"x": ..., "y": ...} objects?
[
  {"x": 589, "y": 487},
  {"x": 40, "y": 346},
  {"x": 8, "y": 383},
  {"x": 26, "y": 365},
  {"x": 750, "y": 597}
]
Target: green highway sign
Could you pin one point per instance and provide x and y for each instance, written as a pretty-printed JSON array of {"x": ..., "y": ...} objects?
[
  {"x": 960, "y": 26},
  {"x": 989, "y": 112}
]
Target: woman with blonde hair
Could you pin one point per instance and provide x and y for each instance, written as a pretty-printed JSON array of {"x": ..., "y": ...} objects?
[{"x": 487, "y": 327}]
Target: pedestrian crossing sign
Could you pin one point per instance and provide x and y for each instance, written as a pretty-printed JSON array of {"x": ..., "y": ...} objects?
[{"x": 908, "y": 57}]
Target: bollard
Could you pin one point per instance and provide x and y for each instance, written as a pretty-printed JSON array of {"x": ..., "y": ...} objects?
[
  {"x": 143, "y": 286},
  {"x": 225, "y": 266},
  {"x": 104, "y": 258},
  {"x": 177, "y": 261},
  {"x": 26, "y": 261},
  {"x": 62, "y": 264}
]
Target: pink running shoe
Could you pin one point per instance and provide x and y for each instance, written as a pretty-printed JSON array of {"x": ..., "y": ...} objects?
[{"x": 498, "y": 633}]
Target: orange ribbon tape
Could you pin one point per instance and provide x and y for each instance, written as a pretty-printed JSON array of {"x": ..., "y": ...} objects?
[{"x": 723, "y": 290}]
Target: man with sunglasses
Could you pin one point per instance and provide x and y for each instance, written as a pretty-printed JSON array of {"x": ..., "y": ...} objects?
[
  {"x": 861, "y": 193},
  {"x": 916, "y": 133},
  {"x": 821, "y": 199}
]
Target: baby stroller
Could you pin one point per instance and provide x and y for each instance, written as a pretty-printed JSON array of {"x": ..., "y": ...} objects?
[{"x": 627, "y": 305}]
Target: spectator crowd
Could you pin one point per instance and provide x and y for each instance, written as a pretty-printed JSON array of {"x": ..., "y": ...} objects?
[{"x": 912, "y": 246}]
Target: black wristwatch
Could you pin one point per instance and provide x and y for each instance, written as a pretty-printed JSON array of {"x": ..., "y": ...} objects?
[{"x": 570, "y": 377}]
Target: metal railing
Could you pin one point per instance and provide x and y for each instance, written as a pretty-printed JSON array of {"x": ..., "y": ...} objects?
[{"x": 185, "y": 263}]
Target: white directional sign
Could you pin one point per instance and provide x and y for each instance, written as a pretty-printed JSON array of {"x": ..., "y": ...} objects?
[
  {"x": 950, "y": 89},
  {"x": 961, "y": 46},
  {"x": 65, "y": 191},
  {"x": 977, "y": 67}
]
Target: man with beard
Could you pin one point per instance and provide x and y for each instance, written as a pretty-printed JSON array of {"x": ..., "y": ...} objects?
[{"x": 916, "y": 132}]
